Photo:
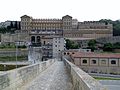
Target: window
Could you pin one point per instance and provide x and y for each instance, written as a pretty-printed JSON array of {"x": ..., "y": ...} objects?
[
  {"x": 84, "y": 61},
  {"x": 38, "y": 39},
  {"x": 94, "y": 61},
  {"x": 103, "y": 61},
  {"x": 44, "y": 42},
  {"x": 87, "y": 50},
  {"x": 33, "y": 39},
  {"x": 73, "y": 53},
  {"x": 68, "y": 53},
  {"x": 64, "y": 53},
  {"x": 113, "y": 62}
]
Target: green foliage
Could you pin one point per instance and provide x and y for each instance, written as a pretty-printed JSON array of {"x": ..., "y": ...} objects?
[
  {"x": 12, "y": 58},
  {"x": 7, "y": 46},
  {"x": 106, "y": 78},
  {"x": 2, "y": 46},
  {"x": 92, "y": 45},
  {"x": 7, "y": 30},
  {"x": 108, "y": 47},
  {"x": 9, "y": 67},
  {"x": 22, "y": 46},
  {"x": 106, "y": 21},
  {"x": 71, "y": 45},
  {"x": 116, "y": 45}
]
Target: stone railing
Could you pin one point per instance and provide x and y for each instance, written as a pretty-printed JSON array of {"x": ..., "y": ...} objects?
[
  {"x": 81, "y": 80},
  {"x": 15, "y": 79}
]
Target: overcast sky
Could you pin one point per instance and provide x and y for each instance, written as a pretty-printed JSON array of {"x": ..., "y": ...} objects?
[{"x": 83, "y": 10}]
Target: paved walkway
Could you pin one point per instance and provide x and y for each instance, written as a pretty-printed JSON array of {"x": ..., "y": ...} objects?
[
  {"x": 111, "y": 84},
  {"x": 55, "y": 77}
]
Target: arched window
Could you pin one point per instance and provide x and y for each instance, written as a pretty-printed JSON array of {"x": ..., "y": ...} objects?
[
  {"x": 73, "y": 53},
  {"x": 44, "y": 42},
  {"x": 103, "y": 61},
  {"x": 93, "y": 61},
  {"x": 84, "y": 61},
  {"x": 33, "y": 39},
  {"x": 113, "y": 62},
  {"x": 68, "y": 53},
  {"x": 38, "y": 39}
]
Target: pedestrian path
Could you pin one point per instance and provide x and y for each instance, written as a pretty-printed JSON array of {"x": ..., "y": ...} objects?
[{"x": 55, "y": 77}]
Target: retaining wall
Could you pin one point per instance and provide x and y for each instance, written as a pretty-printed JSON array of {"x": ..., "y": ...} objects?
[
  {"x": 81, "y": 80},
  {"x": 14, "y": 79}
]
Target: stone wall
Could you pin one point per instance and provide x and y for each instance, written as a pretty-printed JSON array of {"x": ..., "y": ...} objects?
[
  {"x": 112, "y": 39},
  {"x": 101, "y": 65},
  {"x": 5, "y": 38},
  {"x": 11, "y": 52},
  {"x": 14, "y": 79},
  {"x": 81, "y": 80}
]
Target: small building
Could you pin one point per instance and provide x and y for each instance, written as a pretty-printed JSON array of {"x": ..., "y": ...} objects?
[
  {"x": 105, "y": 63},
  {"x": 52, "y": 46}
]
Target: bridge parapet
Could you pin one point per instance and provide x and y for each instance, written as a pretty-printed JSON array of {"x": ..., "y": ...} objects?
[
  {"x": 14, "y": 79},
  {"x": 81, "y": 80}
]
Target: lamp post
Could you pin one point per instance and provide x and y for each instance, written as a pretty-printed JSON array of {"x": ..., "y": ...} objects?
[
  {"x": 16, "y": 53},
  {"x": 16, "y": 49}
]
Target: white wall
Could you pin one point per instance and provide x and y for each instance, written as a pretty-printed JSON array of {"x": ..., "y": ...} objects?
[
  {"x": 58, "y": 46},
  {"x": 35, "y": 54}
]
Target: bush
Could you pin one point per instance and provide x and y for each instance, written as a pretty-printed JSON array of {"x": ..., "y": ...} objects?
[{"x": 22, "y": 46}]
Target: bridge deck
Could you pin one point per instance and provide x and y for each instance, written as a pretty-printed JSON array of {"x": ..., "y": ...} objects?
[{"x": 55, "y": 77}]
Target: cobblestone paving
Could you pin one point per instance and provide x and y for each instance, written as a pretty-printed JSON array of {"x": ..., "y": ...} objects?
[{"x": 54, "y": 78}]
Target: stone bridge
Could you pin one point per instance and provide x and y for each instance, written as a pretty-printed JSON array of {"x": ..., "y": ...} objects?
[{"x": 49, "y": 75}]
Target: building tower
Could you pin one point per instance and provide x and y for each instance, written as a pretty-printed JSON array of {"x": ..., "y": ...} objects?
[
  {"x": 25, "y": 22},
  {"x": 67, "y": 22}
]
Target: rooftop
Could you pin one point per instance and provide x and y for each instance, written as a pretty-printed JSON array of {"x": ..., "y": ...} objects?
[{"x": 96, "y": 55}]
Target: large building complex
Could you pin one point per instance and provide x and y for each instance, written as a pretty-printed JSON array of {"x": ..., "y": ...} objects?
[
  {"x": 50, "y": 33},
  {"x": 71, "y": 27}
]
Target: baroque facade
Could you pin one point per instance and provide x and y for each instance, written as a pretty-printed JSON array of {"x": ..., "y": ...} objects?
[
  {"x": 47, "y": 33},
  {"x": 72, "y": 28}
]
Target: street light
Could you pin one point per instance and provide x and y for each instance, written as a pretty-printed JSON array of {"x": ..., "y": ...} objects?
[
  {"x": 16, "y": 49},
  {"x": 16, "y": 53}
]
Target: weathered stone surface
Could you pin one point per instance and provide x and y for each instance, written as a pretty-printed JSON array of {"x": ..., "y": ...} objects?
[
  {"x": 81, "y": 80},
  {"x": 53, "y": 78},
  {"x": 15, "y": 79}
]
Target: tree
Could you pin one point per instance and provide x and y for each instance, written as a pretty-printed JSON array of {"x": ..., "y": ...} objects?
[
  {"x": 71, "y": 44},
  {"x": 116, "y": 45},
  {"x": 15, "y": 26},
  {"x": 11, "y": 24},
  {"x": 92, "y": 45},
  {"x": 108, "y": 47}
]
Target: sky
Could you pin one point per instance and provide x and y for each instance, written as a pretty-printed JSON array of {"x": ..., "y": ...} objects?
[{"x": 83, "y": 10}]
